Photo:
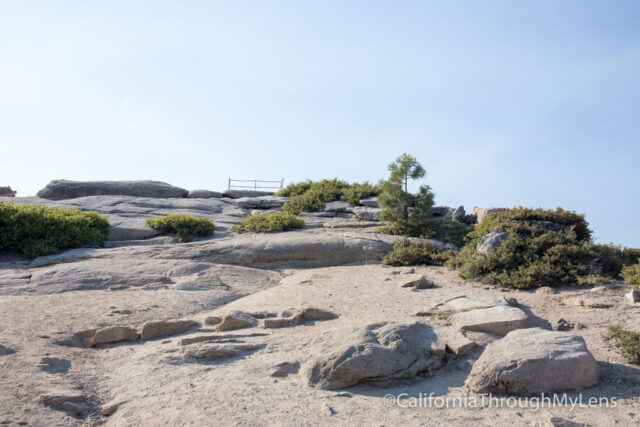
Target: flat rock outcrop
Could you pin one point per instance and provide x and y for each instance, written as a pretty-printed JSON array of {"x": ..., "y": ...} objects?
[
  {"x": 203, "y": 194},
  {"x": 261, "y": 250},
  {"x": 236, "y": 194},
  {"x": 260, "y": 202},
  {"x": 117, "y": 269},
  {"x": 534, "y": 361},
  {"x": 64, "y": 189},
  {"x": 165, "y": 328},
  {"x": 377, "y": 353}
]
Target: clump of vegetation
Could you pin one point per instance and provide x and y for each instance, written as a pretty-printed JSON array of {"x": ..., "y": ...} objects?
[
  {"x": 542, "y": 248},
  {"x": 39, "y": 230},
  {"x": 184, "y": 226},
  {"x": 445, "y": 314},
  {"x": 309, "y": 196},
  {"x": 268, "y": 223},
  {"x": 627, "y": 342},
  {"x": 415, "y": 252},
  {"x": 631, "y": 274}
]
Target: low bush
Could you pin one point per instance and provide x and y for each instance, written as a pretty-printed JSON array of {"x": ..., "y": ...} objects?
[
  {"x": 269, "y": 223},
  {"x": 309, "y": 196},
  {"x": 445, "y": 230},
  {"x": 416, "y": 252},
  {"x": 631, "y": 275},
  {"x": 543, "y": 248},
  {"x": 627, "y": 342},
  {"x": 38, "y": 230},
  {"x": 184, "y": 226},
  {"x": 356, "y": 192}
]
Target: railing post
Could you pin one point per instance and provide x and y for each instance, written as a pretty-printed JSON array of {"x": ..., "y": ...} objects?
[{"x": 229, "y": 187}]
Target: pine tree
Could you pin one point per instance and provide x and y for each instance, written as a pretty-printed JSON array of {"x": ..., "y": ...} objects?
[{"x": 409, "y": 213}]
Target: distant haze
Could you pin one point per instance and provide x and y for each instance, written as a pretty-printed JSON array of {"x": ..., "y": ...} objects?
[{"x": 504, "y": 103}]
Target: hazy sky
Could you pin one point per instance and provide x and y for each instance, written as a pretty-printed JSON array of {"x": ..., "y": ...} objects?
[{"x": 504, "y": 103}]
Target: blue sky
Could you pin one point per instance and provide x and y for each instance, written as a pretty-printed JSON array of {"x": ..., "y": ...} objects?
[{"x": 505, "y": 103}]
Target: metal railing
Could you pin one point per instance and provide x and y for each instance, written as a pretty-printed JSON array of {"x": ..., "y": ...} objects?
[{"x": 258, "y": 184}]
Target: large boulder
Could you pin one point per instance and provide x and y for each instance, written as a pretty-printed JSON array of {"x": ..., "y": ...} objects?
[
  {"x": 442, "y": 212},
  {"x": 63, "y": 189},
  {"x": 7, "y": 192},
  {"x": 459, "y": 215},
  {"x": 481, "y": 213},
  {"x": 380, "y": 353},
  {"x": 491, "y": 241},
  {"x": 534, "y": 361},
  {"x": 498, "y": 320},
  {"x": 337, "y": 206},
  {"x": 371, "y": 202}
]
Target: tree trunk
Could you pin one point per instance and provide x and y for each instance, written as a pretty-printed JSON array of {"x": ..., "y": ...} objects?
[{"x": 405, "y": 215}]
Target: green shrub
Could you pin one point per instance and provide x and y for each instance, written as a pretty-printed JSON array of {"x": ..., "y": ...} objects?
[
  {"x": 307, "y": 202},
  {"x": 38, "y": 230},
  {"x": 543, "y": 248},
  {"x": 184, "y": 226},
  {"x": 269, "y": 223},
  {"x": 416, "y": 252},
  {"x": 445, "y": 230},
  {"x": 627, "y": 342},
  {"x": 356, "y": 192},
  {"x": 309, "y": 196},
  {"x": 631, "y": 275}
]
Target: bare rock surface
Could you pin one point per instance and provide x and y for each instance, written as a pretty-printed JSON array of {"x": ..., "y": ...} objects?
[
  {"x": 51, "y": 309},
  {"x": 263, "y": 250},
  {"x": 534, "y": 361}
]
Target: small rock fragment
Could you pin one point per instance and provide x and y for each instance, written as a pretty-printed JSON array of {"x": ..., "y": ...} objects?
[
  {"x": 212, "y": 320},
  {"x": 563, "y": 325},
  {"x": 415, "y": 281},
  {"x": 285, "y": 368},
  {"x": 588, "y": 302},
  {"x": 114, "y": 334},
  {"x": 236, "y": 320},
  {"x": 633, "y": 296},
  {"x": 5, "y": 350},
  {"x": 54, "y": 365}
]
